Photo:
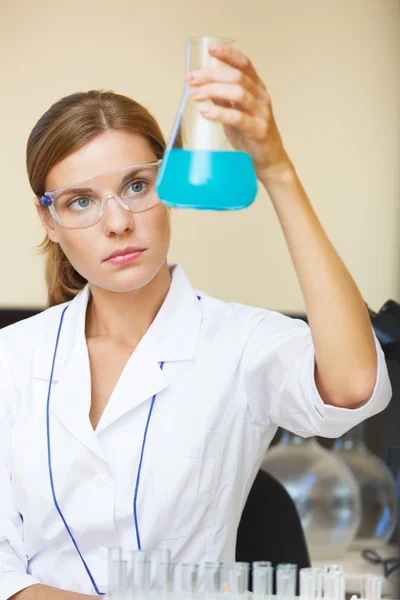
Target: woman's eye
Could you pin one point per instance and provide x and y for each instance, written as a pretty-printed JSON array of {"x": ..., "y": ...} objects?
[
  {"x": 80, "y": 203},
  {"x": 136, "y": 187}
]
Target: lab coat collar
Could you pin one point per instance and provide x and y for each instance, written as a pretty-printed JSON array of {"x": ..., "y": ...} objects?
[
  {"x": 175, "y": 330},
  {"x": 172, "y": 336}
]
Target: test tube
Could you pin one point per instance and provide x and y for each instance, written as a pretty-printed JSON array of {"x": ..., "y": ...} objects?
[
  {"x": 159, "y": 557},
  {"x": 286, "y": 575},
  {"x": 311, "y": 582},
  {"x": 186, "y": 578},
  {"x": 164, "y": 581},
  {"x": 262, "y": 578},
  {"x": 334, "y": 582},
  {"x": 140, "y": 572},
  {"x": 114, "y": 570},
  {"x": 372, "y": 587},
  {"x": 213, "y": 578},
  {"x": 239, "y": 578},
  {"x": 119, "y": 577}
]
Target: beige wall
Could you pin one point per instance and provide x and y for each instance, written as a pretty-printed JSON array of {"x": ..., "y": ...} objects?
[{"x": 333, "y": 70}]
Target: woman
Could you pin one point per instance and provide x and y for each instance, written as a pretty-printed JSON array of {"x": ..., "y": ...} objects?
[{"x": 135, "y": 411}]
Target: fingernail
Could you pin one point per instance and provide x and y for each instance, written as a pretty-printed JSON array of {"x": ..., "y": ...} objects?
[
  {"x": 194, "y": 93},
  {"x": 193, "y": 75}
]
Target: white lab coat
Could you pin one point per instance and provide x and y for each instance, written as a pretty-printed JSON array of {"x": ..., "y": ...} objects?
[{"x": 232, "y": 375}]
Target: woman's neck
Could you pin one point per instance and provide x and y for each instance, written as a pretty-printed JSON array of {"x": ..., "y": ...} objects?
[{"x": 125, "y": 317}]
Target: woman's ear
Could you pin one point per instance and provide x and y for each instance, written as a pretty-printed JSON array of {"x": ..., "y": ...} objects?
[{"x": 46, "y": 220}]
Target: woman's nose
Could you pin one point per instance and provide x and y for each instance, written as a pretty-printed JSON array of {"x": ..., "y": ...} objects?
[{"x": 116, "y": 219}]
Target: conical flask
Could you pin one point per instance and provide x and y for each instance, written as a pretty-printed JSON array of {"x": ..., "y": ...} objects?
[
  {"x": 201, "y": 168},
  {"x": 378, "y": 490},
  {"x": 324, "y": 490}
]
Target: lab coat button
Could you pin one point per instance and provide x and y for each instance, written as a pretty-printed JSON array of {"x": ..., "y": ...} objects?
[
  {"x": 100, "y": 480},
  {"x": 102, "y": 553}
]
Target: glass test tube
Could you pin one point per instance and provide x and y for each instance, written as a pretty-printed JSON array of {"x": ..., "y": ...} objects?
[
  {"x": 311, "y": 582},
  {"x": 140, "y": 572},
  {"x": 262, "y": 578},
  {"x": 159, "y": 557},
  {"x": 239, "y": 578},
  {"x": 164, "y": 579},
  {"x": 372, "y": 587},
  {"x": 119, "y": 578},
  {"x": 117, "y": 571},
  {"x": 213, "y": 577},
  {"x": 286, "y": 575},
  {"x": 186, "y": 578},
  {"x": 334, "y": 582}
]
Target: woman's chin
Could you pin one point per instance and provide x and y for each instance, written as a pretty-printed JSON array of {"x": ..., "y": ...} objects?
[{"x": 125, "y": 280}]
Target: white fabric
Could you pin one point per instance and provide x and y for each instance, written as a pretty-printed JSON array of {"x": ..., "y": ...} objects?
[{"x": 232, "y": 374}]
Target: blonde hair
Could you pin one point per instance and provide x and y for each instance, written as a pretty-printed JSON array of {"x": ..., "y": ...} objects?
[{"x": 68, "y": 124}]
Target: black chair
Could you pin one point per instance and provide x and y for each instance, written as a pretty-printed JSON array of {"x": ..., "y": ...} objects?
[
  {"x": 270, "y": 527},
  {"x": 8, "y": 316}
]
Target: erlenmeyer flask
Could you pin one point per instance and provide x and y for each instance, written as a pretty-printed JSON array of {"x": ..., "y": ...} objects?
[
  {"x": 378, "y": 490},
  {"x": 325, "y": 492},
  {"x": 205, "y": 171}
]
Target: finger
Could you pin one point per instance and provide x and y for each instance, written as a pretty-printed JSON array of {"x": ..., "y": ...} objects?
[
  {"x": 226, "y": 92},
  {"x": 233, "y": 57},
  {"x": 224, "y": 75},
  {"x": 254, "y": 127}
]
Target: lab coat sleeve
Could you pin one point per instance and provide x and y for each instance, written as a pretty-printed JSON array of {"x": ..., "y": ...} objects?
[
  {"x": 13, "y": 560},
  {"x": 278, "y": 367}
]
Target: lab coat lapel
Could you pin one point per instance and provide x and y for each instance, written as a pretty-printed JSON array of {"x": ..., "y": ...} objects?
[
  {"x": 171, "y": 337},
  {"x": 140, "y": 380},
  {"x": 70, "y": 397}
]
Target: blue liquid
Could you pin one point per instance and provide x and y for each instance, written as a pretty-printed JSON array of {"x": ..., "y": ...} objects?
[{"x": 207, "y": 180}]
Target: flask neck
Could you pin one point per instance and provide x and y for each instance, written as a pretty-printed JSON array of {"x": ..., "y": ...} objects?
[
  {"x": 351, "y": 439},
  {"x": 197, "y": 55},
  {"x": 289, "y": 438}
]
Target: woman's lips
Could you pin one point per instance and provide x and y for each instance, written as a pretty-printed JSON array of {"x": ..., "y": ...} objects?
[{"x": 125, "y": 257}]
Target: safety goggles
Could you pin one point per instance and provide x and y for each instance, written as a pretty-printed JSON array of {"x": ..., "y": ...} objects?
[
  {"x": 389, "y": 565},
  {"x": 82, "y": 203}
]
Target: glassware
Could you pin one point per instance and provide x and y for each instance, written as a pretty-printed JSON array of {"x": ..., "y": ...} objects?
[
  {"x": 186, "y": 578},
  {"x": 239, "y": 579},
  {"x": 324, "y": 490},
  {"x": 165, "y": 578},
  {"x": 139, "y": 573},
  {"x": 311, "y": 583},
  {"x": 118, "y": 573},
  {"x": 161, "y": 556},
  {"x": 286, "y": 575},
  {"x": 114, "y": 559},
  {"x": 262, "y": 578},
  {"x": 378, "y": 491},
  {"x": 334, "y": 582},
  {"x": 372, "y": 587},
  {"x": 213, "y": 578},
  {"x": 207, "y": 172},
  {"x": 129, "y": 578}
]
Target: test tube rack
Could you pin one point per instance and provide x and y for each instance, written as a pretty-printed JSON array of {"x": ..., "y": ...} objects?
[{"x": 138, "y": 576}]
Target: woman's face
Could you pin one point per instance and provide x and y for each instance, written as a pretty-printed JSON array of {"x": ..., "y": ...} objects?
[{"x": 88, "y": 248}]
